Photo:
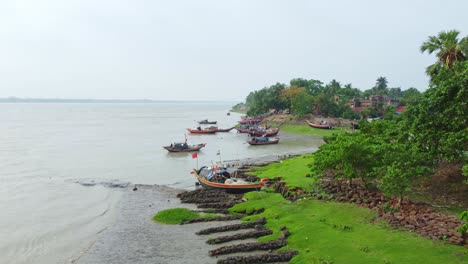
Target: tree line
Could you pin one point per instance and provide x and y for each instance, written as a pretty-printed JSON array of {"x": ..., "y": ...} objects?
[
  {"x": 393, "y": 154},
  {"x": 304, "y": 96}
]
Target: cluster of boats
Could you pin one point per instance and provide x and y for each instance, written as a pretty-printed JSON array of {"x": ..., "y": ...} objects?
[
  {"x": 259, "y": 135},
  {"x": 222, "y": 178}
]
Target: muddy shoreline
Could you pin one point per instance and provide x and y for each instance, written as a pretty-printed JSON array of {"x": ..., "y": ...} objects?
[{"x": 135, "y": 238}]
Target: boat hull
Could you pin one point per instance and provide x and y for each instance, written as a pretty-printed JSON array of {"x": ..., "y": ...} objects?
[
  {"x": 269, "y": 142},
  {"x": 191, "y": 149},
  {"x": 268, "y": 133},
  {"x": 230, "y": 188},
  {"x": 324, "y": 126},
  {"x": 202, "y": 131}
]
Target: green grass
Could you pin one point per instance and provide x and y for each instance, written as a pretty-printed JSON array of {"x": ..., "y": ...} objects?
[
  {"x": 329, "y": 232},
  {"x": 178, "y": 215},
  {"x": 343, "y": 233},
  {"x": 310, "y": 131},
  {"x": 293, "y": 171}
]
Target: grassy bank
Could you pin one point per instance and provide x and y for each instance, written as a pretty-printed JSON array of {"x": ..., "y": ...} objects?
[
  {"x": 329, "y": 232},
  {"x": 310, "y": 131},
  {"x": 343, "y": 233},
  {"x": 178, "y": 215}
]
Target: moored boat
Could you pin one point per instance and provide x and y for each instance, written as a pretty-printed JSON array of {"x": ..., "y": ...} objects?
[
  {"x": 255, "y": 141},
  {"x": 264, "y": 133},
  {"x": 206, "y": 122},
  {"x": 199, "y": 130},
  {"x": 220, "y": 179},
  {"x": 322, "y": 126},
  {"x": 184, "y": 147}
]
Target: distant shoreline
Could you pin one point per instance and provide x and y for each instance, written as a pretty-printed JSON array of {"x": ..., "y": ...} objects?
[{"x": 91, "y": 101}]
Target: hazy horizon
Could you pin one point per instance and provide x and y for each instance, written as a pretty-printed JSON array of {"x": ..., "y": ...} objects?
[{"x": 211, "y": 50}]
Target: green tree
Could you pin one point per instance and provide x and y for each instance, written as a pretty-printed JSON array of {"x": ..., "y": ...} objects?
[
  {"x": 381, "y": 86},
  {"x": 438, "y": 123},
  {"x": 301, "y": 104},
  {"x": 350, "y": 156},
  {"x": 325, "y": 105},
  {"x": 410, "y": 95},
  {"x": 332, "y": 88},
  {"x": 448, "y": 48},
  {"x": 401, "y": 165}
]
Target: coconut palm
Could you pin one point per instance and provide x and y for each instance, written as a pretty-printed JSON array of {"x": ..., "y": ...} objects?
[{"x": 448, "y": 47}]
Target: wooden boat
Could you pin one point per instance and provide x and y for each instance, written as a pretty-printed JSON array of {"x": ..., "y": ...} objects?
[
  {"x": 225, "y": 129},
  {"x": 219, "y": 179},
  {"x": 255, "y": 141},
  {"x": 322, "y": 126},
  {"x": 250, "y": 120},
  {"x": 202, "y": 131},
  {"x": 264, "y": 133},
  {"x": 206, "y": 122},
  {"x": 184, "y": 147}
]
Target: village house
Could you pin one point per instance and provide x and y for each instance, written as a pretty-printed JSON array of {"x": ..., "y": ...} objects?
[{"x": 358, "y": 104}]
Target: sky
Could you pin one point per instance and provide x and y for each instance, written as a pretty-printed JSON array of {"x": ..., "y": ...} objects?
[{"x": 213, "y": 50}]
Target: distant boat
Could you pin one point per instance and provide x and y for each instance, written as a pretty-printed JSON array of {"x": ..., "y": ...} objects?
[
  {"x": 206, "y": 122},
  {"x": 264, "y": 133},
  {"x": 220, "y": 179},
  {"x": 184, "y": 147},
  {"x": 255, "y": 141},
  {"x": 202, "y": 131},
  {"x": 322, "y": 126},
  {"x": 228, "y": 113}
]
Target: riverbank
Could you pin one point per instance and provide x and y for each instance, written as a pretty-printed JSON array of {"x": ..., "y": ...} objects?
[{"x": 135, "y": 238}]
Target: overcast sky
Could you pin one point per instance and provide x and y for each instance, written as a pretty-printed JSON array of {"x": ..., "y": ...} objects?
[{"x": 213, "y": 50}]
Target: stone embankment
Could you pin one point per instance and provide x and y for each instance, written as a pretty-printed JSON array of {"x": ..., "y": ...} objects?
[
  {"x": 251, "y": 252},
  {"x": 417, "y": 217}
]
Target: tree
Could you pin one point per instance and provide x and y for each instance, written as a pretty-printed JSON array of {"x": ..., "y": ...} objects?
[
  {"x": 302, "y": 103},
  {"x": 325, "y": 105},
  {"x": 349, "y": 155},
  {"x": 290, "y": 94},
  {"x": 381, "y": 86},
  {"x": 448, "y": 48},
  {"x": 314, "y": 87},
  {"x": 332, "y": 88},
  {"x": 395, "y": 92},
  {"x": 438, "y": 123},
  {"x": 401, "y": 165},
  {"x": 410, "y": 95}
]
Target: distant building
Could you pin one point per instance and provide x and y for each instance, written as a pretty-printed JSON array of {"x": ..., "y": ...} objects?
[{"x": 358, "y": 104}]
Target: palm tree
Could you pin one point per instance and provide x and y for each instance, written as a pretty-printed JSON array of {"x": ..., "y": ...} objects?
[
  {"x": 380, "y": 86},
  {"x": 448, "y": 47}
]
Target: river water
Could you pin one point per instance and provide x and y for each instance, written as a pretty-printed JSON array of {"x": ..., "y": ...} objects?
[{"x": 64, "y": 167}]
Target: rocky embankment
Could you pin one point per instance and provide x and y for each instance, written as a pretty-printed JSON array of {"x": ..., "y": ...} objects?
[
  {"x": 417, "y": 217},
  {"x": 249, "y": 252}
]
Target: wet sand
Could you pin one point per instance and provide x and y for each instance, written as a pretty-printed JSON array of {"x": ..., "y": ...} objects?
[{"x": 135, "y": 238}]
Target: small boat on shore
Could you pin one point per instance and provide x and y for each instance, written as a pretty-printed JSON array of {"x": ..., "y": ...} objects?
[
  {"x": 206, "y": 122},
  {"x": 184, "y": 147},
  {"x": 264, "y": 133},
  {"x": 322, "y": 126},
  {"x": 255, "y": 141},
  {"x": 220, "y": 179},
  {"x": 199, "y": 130}
]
